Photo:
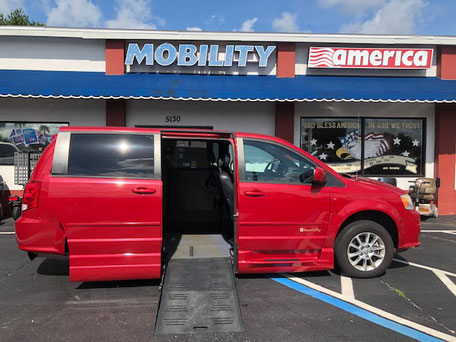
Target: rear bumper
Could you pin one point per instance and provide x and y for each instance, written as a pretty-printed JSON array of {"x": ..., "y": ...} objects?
[{"x": 39, "y": 235}]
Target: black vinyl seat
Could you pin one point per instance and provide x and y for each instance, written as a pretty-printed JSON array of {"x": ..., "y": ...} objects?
[{"x": 226, "y": 181}]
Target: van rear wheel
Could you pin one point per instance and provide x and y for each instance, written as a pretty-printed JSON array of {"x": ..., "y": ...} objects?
[
  {"x": 364, "y": 249},
  {"x": 16, "y": 213}
]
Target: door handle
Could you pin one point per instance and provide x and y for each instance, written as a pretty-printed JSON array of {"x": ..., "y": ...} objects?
[
  {"x": 254, "y": 193},
  {"x": 143, "y": 191}
]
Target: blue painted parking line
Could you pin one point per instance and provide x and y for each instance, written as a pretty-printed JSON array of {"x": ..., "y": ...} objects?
[{"x": 389, "y": 324}]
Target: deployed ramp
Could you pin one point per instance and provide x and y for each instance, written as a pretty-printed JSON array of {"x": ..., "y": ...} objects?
[{"x": 199, "y": 295}]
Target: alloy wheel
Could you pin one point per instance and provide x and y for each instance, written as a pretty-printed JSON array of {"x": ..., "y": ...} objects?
[{"x": 366, "y": 251}]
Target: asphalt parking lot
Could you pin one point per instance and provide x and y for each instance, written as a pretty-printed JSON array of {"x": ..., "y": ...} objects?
[{"x": 415, "y": 299}]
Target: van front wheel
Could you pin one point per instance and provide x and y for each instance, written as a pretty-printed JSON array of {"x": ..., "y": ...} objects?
[{"x": 364, "y": 249}]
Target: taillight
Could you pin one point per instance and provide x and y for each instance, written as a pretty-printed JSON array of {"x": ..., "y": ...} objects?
[{"x": 31, "y": 195}]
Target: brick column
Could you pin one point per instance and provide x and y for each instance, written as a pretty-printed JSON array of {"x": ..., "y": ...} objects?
[
  {"x": 445, "y": 138},
  {"x": 284, "y": 111},
  {"x": 286, "y": 60},
  {"x": 116, "y": 113},
  {"x": 446, "y": 63},
  {"x": 284, "y": 122},
  {"x": 114, "y": 57},
  {"x": 444, "y": 158}
]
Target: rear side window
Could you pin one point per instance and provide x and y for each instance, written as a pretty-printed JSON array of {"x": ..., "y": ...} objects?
[{"x": 111, "y": 155}]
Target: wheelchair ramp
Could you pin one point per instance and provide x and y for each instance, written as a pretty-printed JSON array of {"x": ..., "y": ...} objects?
[{"x": 199, "y": 295}]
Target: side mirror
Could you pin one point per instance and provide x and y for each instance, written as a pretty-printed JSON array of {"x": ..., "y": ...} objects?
[
  {"x": 437, "y": 182},
  {"x": 319, "y": 176}
]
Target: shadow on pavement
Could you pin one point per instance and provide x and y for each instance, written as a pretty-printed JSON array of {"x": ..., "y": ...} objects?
[
  {"x": 315, "y": 274},
  {"x": 119, "y": 283},
  {"x": 58, "y": 267},
  {"x": 55, "y": 267},
  {"x": 398, "y": 264}
]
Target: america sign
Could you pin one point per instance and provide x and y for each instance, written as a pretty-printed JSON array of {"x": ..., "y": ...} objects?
[{"x": 369, "y": 58}]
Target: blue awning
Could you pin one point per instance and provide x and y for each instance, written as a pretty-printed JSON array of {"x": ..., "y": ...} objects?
[{"x": 94, "y": 85}]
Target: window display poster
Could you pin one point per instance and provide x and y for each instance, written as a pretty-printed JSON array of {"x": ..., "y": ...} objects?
[
  {"x": 25, "y": 137},
  {"x": 391, "y": 146}
]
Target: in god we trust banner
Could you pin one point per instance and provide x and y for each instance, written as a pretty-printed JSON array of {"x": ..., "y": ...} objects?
[{"x": 406, "y": 162}]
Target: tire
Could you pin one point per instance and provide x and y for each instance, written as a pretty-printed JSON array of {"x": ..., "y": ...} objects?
[
  {"x": 375, "y": 257},
  {"x": 16, "y": 213}
]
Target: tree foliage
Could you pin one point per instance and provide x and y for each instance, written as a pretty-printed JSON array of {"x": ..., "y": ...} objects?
[{"x": 18, "y": 18}]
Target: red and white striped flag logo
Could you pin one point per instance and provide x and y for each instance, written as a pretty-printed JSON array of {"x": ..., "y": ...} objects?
[{"x": 321, "y": 58}]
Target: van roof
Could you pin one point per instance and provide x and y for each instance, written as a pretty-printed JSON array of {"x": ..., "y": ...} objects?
[
  {"x": 193, "y": 131},
  {"x": 136, "y": 129}
]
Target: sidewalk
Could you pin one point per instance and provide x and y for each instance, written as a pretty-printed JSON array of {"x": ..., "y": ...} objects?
[
  {"x": 7, "y": 225},
  {"x": 441, "y": 222}
]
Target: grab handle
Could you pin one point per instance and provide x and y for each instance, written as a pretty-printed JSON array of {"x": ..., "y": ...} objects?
[
  {"x": 144, "y": 191},
  {"x": 254, "y": 193}
]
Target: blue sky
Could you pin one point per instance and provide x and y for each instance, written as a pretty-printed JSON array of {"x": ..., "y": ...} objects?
[{"x": 433, "y": 17}]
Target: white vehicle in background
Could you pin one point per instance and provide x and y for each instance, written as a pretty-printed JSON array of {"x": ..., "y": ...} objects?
[{"x": 7, "y": 151}]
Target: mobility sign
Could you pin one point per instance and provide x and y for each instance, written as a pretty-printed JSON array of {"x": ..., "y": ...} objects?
[
  {"x": 370, "y": 58},
  {"x": 187, "y": 55}
]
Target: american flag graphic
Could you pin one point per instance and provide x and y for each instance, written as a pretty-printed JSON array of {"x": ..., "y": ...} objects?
[
  {"x": 321, "y": 58},
  {"x": 349, "y": 138},
  {"x": 384, "y": 146},
  {"x": 375, "y": 145}
]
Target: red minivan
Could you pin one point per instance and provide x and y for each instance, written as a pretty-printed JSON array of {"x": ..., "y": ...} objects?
[{"x": 120, "y": 201}]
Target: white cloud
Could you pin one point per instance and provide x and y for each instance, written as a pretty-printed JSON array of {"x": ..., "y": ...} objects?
[
  {"x": 395, "y": 17},
  {"x": 134, "y": 14},
  {"x": 216, "y": 20},
  {"x": 7, "y": 6},
  {"x": 286, "y": 23},
  {"x": 354, "y": 7},
  {"x": 76, "y": 13},
  {"x": 193, "y": 28},
  {"x": 247, "y": 25}
]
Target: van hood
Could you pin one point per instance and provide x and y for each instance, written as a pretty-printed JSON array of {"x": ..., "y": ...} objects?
[{"x": 371, "y": 183}]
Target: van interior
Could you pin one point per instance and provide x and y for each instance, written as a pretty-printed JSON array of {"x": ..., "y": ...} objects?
[{"x": 198, "y": 198}]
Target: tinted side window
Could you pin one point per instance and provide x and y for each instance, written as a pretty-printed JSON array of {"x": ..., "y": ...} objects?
[
  {"x": 271, "y": 163},
  {"x": 111, "y": 155}
]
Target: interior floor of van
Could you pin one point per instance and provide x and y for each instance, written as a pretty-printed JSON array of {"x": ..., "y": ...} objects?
[
  {"x": 198, "y": 192},
  {"x": 187, "y": 246}
]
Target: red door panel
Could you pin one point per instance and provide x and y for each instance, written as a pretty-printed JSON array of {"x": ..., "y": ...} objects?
[
  {"x": 283, "y": 230},
  {"x": 112, "y": 232},
  {"x": 283, "y": 217}
]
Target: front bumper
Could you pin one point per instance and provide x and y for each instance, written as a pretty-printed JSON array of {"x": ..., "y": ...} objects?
[{"x": 409, "y": 231}]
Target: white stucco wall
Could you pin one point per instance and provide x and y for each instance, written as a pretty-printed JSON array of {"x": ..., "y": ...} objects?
[
  {"x": 52, "y": 54},
  {"x": 75, "y": 112},
  {"x": 399, "y": 110},
  {"x": 257, "y": 117}
]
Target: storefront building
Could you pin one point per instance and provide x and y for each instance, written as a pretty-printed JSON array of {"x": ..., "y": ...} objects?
[{"x": 378, "y": 106}]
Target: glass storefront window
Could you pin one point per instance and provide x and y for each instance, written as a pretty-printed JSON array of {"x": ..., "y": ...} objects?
[
  {"x": 25, "y": 137},
  {"x": 393, "y": 147},
  {"x": 371, "y": 147},
  {"x": 334, "y": 141}
]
